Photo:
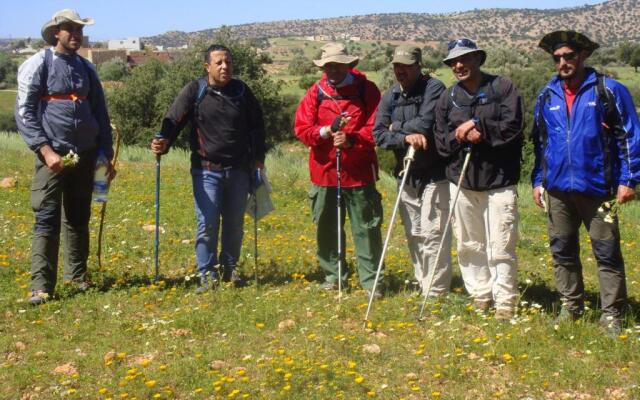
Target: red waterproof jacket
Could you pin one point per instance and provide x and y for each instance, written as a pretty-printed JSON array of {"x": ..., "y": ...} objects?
[{"x": 359, "y": 100}]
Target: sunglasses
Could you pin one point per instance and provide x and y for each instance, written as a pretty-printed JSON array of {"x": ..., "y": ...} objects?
[
  {"x": 567, "y": 56},
  {"x": 462, "y": 42}
]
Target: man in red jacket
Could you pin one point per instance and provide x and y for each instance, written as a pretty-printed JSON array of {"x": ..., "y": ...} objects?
[{"x": 337, "y": 112}]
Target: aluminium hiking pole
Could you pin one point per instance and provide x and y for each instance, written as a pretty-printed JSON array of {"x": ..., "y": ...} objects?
[
  {"x": 258, "y": 181},
  {"x": 465, "y": 165},
  {"x": 157, "y": 240},
  {"x": 338, "y": 207},
  {"x": 408, "y": 159}
]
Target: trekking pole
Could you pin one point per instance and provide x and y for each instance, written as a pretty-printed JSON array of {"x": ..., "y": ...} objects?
[
  {"x": 465, "y": 165},
  {"x": 408, "y": 159},
  {"x": 157, "y": 241},
  {"x": 338, "y": 207},
  {"x": 103, "y": 208},
  {"x": 257, "y": 178}
]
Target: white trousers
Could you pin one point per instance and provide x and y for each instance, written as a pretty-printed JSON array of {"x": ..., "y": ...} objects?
[
  {"x": 486, "y": 228},
  {"x": 424, "y": 218}
]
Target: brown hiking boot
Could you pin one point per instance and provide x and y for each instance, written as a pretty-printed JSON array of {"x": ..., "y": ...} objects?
[
  {"x": 481, "y": 306},
  {"x": 504, "y": 314},
  {"x": 38, "y": 297}
]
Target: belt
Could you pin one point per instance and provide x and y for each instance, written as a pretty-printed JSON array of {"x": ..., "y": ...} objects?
[
  {"x": 70, "y": 96},
  {"x": 212, "y": 166}
]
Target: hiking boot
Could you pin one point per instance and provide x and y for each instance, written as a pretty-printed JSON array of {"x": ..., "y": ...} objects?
[
  {"x": 612, "y": 325},
  {"x": 481, "y": 306},
  {"x": 326, "y": 285},
  {"x": 233, "y": 276},
  {"x": 504, "y": 314},
  {"x": 376, "y": 295},
  {"x": 81, "y": 286},
  {"x": 38, "y": 297},
  {"x": 208, "y": 282},
  {"x": 567, "y": 315}
]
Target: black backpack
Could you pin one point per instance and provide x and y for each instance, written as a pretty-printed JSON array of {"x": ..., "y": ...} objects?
[{"x": 203, "y": 89}]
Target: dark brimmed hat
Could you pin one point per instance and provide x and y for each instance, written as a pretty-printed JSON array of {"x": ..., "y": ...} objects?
[
  {"x": 551, "y": 41},
  {"x": 335, "y": 53},
  {"x": 462, "y": 46},
  {"x": 61, "y": 17}
]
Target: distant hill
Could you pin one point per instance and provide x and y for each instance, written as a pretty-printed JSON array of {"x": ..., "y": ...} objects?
[{"x": 607, "y": 23}]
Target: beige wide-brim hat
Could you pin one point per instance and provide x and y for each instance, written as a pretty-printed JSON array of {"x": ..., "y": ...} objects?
[
  {"x": 60, "y": 17},
  {"x": 335, "y": 53}
]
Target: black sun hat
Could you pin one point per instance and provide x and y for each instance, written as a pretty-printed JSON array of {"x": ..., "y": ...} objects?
[{"x": 576, "y": 40}]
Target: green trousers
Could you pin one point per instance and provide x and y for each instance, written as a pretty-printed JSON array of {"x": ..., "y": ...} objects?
[
  {"x": 57, "y": 198},
  {"x": 364, "y": 207}
]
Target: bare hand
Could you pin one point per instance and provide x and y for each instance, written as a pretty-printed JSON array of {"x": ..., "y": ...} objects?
[
  {"x": 463, "y": 130},
  {"x": 159, "y": 146},
  {"x": 537, "y": 196},
  {"x": 340, "y": 140},
  {"x": 417, "y": 141},
  {"x": 474, "y": 136},
  {"x": 625, "y": 194},
  {"x": 52, "y": 159}
]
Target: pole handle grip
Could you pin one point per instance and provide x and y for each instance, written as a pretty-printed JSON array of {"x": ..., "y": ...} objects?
[{"x": 411, "y": 152}]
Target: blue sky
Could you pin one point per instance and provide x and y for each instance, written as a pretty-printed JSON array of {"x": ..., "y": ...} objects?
[{"x": 120, "y": 18}]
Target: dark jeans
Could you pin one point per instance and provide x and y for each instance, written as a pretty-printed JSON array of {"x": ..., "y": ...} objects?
[
  {"x": 61, "y": 197},
  {"x": 567, "y": 211},
  {"x": 220, "y": 200}
]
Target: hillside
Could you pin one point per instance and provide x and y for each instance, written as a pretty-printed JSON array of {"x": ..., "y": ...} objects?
[{"x": 608, "y": 23}]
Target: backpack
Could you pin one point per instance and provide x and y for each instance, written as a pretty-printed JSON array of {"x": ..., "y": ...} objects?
[
  {"x": 609, "y": 128},
  {"x": 416, "y": 100},
  {"x": 203, "y": 89},
  {"x": 322, "y": 96}
]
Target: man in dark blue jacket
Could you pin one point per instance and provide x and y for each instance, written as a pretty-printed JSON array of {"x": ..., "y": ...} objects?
[
  {"x": 406, "y": 117},
  {"x": 61, "y": 110},
  {"x": 587, "y": 146}
]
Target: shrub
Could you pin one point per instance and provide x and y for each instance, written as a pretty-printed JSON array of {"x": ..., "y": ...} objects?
[
  {"x": 139, "y": 105},
  {"x": 114, "y": 70}
]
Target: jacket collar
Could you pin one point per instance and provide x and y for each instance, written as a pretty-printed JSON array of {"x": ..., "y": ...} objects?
[{"x": 557, "y": 84}]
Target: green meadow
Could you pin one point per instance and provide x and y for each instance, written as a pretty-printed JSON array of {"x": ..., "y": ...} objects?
[{"x": 132, "y": 338}]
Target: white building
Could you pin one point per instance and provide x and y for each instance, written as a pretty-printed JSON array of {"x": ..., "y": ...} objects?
[{"x": 133, "y": 43}]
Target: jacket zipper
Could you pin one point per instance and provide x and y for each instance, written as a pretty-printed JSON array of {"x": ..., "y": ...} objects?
[{"x": 566, "y": 107}]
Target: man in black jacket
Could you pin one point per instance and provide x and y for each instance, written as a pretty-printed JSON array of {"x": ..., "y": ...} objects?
[
  {"x": 483, "y": 114},
  {"x": 406, "y": 117},
  {"x": 227, "y": 143}
]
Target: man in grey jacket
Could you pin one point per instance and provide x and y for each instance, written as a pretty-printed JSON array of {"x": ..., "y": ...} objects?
[
  {"x": 61, "y": 111},
  {"x": 406, "y": 117}
]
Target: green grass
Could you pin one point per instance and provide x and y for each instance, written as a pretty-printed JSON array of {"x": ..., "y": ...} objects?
[
  {"x": 131, "y": 338},
  {"x": 7, "y": 100}
]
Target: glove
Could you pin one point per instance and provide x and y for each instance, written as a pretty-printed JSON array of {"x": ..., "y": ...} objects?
[{"x": 336, "y": 124}]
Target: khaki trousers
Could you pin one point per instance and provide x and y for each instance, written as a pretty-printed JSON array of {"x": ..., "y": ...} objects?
[
  {"x": 486, "y": 228},
  {"x": 424, "y": 216}
]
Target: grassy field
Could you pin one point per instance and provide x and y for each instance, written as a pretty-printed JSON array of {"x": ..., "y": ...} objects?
[
  {"x": 7, "y": 99},
  {"x": 130, "y": 338}
]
